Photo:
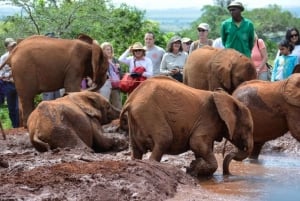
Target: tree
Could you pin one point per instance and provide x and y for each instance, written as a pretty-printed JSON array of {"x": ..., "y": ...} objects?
[
  {"x": 121, "y": 26},
  {"x": 270, "y": 23}
]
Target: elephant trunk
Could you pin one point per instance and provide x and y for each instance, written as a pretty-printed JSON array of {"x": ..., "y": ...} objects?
[
  {"x": 112, "y": 114},
  {"x": 238, "y": 156}
]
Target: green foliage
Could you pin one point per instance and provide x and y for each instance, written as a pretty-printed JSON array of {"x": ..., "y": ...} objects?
[
  {"x": 270, "y": 23},
  {"x": 4, "y": 118},
  {"x": 122, "y": 26}
]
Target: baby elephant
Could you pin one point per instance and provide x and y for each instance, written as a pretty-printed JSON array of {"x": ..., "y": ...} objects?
[
  {"x": 73, "y": 121},
  {"x": 168, "y": 117},
  {"x": 275, "y": 109}
]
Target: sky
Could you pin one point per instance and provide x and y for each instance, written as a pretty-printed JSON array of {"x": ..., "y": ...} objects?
[{"x": 163, "y": 4}]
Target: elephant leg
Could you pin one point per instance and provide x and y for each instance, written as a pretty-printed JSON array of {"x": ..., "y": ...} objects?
[
  {"x": 136, "y": 152},
  {"x": 27, "y": 107},
  {"x": 203, "y": 166},
  {"x": 256, "y": 150},
  {"x": 206, "y": 163},
  {"x": 157, "y": 153}
]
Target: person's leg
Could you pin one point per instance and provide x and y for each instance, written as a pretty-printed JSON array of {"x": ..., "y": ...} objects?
[
  {"x": 2, "y": 93},
  {"x": 263, "y": 76},
  {"x": 56, "y": 94},
  {"x": 12, "y": 104},
  {"x": 51, "y": 95},
  {"x": 47, "y": 96},
  {"x": 115, "y": 98},
  {"x": 105, "y": 90}
]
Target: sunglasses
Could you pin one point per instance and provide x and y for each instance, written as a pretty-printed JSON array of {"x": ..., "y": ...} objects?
[
  {"x": 232, "y": 9},
  {"x": 294, "y": 35},
  {"x": 201, "y": 30},
  {"x": 137, "y": 50}
]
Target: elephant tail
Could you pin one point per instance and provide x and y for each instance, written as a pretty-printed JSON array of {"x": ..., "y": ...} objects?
[{"x": 124, "y": 118}]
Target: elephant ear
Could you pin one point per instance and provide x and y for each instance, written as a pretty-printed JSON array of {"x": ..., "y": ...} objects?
[
  {"x": 291, "y": 90},
  {"x": 226, "y": 107},
  {"x": 85, "y": 101},
  {"x": 220, "y": 71},
  {"x": 100, "y": 65},
  {"x": 85, "y": 38}
]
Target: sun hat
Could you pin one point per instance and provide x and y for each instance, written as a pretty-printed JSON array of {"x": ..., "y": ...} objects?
[
  {"x": 175, "y": 39},
  {"x": 204, "y": 26},
  {"x": 8, "y": 42},
  {"x": 186, "y": 40},
  {"x": 236, "y": 4},
  {"x": 138, "y": 46}
]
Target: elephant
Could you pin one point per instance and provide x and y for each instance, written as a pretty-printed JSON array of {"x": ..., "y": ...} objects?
[
  {"x": 169, "y": 117},
  {"x": 42, "y": 64},
  {"x": 275, "y": 109},
  {"x": 210, "y": 68},
  {"x": 73, "y": 121}
]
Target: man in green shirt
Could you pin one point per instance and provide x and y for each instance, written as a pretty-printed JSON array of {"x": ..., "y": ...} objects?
[{"x": 237, "y": 32}]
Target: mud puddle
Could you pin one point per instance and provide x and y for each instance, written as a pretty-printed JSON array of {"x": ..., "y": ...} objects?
[{"x": 273, "y": 177}]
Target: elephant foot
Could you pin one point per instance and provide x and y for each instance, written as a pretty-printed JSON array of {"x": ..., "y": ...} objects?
[
  {"x": 200, "y": 168},
  {"x": 3, "y": 164},
  {"x": 120, "y": 144}
]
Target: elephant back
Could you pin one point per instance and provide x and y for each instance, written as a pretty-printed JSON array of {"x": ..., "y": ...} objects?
[
  {"x": 229, "y": 68},
  {"x": 197, "y": 66},
  {"x": 291, "y": 90}
]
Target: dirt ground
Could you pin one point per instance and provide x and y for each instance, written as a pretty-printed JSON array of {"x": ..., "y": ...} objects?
[{"x": 65, "y": 174}]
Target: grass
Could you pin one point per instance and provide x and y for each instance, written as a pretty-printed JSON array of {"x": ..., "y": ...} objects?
[{"x": 4, "y": 117}]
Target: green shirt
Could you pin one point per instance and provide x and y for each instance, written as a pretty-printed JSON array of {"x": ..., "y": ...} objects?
[{"x": 240, "y": 38}]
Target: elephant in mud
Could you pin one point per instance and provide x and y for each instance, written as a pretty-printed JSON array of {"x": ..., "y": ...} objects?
[
  {"x": 210, "y": 68},
  {"x": 73, "y": 121},
  {"x": 168, "y": 117},
  {"x": 275, "y": 109},
  {"x": 42, "y": 64}
]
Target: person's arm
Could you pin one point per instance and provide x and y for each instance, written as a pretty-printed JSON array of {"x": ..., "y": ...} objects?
[
  {"x": 149, "y": 68},
  {"x": 274, "y": 71},
  {"x": 251, "y": 36},
  {"x": 192, "y": 47},
  {"x": 263, "y": 52},
  {"x": 163, "y": 66},
  {"x": 223, "y": 34},
  {"x": 124, "y": 57}
]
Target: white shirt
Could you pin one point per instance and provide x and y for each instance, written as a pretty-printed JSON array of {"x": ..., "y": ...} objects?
[
  {"x": 145, "y": 62},
  {"x": 5, "y": 72}
]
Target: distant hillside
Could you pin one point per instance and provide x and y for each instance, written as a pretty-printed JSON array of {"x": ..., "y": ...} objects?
[
  {"x": 7, "y": 10},
  {"x": 174, "y": 19},
  {"x": 171, "y": 20}
]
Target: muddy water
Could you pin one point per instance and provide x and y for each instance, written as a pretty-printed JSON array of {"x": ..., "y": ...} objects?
[{"x": 271, "y": 178}]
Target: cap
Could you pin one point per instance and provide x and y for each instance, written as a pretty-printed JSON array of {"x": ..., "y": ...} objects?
[
  {"x": 236, "y": 4},
  {"x": 8, "y": 42},
  {"x": 204, "y": 26},
  {"x": 175, "y": 38},
  {"x": 185, "y": 40}
]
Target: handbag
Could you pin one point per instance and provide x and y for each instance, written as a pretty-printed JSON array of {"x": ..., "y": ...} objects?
[
  {"x": 114, "y": 76},
  {"x": 128, "y": 83}
]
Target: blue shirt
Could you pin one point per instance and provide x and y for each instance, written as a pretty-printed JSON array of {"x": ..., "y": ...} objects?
[{"x": 283, "y": 67}]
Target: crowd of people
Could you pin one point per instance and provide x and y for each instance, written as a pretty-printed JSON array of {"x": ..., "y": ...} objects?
[{"x": 236, "y": 32}]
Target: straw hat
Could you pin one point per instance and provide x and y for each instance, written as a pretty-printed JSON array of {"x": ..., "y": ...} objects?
[{"x": 138, "y": 46}]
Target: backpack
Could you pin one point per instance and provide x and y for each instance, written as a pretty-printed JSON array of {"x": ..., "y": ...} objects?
[{"x": 196, "y": 43}]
